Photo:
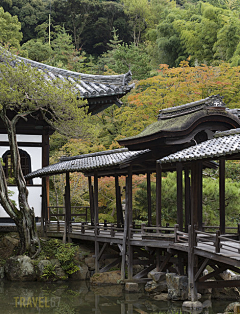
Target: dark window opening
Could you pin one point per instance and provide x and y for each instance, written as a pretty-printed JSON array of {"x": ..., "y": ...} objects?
[{"x": 8, "y": 166}]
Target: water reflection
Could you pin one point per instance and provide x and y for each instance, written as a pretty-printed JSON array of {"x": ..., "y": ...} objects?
[{"x": 79, "y": 297}]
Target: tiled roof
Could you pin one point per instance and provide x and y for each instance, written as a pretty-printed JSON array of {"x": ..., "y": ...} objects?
[
  {"x": 180, "y": 118},
  {"x": 222, "y": 145},
  {"x": 87, "y": 162},
  {"x": 87, "y": 85}
]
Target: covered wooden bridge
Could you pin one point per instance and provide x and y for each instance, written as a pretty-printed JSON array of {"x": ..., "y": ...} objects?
[{"x": 184, "y": 140}]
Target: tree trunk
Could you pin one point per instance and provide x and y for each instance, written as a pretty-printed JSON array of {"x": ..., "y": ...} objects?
[{"x": 23, "y": 216}]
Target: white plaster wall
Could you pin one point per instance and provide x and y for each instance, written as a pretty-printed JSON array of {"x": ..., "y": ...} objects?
[
  {"x": 23, "y": 138},
  {"x": 34, "y": 199},
  {"x": 35, "y": 154}
]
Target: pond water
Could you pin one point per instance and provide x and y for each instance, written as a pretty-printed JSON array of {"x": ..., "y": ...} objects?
[{"x": 80, "y": 297}]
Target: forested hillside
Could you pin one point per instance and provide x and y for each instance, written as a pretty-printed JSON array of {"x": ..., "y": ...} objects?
[{"x": 178, "y": 51}]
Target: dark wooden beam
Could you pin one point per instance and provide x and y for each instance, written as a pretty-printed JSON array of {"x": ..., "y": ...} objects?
[
  {"x": 91, "y": 199},
  {"x": 144, "y": 272},
  {"x": 67, "y": 204},
  {"x": 130, "y": 220},
  {"x": 149, "y": 200},
  {"x": 187, "y": 199},
  {"x": 218, "y": 284},
  {"x": 109, "y": 266},
  {"x": 165, "y": 261},
  {"x": 222, "y": 195},
  {"x": 118, "y": 202},
  {"x": 96, "y": 198},
  {"x": 125, "y": 233},
  {"x": 201, "y": 269},
  {"x": 179, "y": 197},
  {"x": 216, "y": 272},
  {"x": 158, "y": 194},
  {"x": 200, "y": 188}
]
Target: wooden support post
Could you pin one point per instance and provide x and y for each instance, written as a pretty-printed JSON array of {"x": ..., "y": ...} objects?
[
  {"x": 118, "y": 203},
  {"x": 125, "y": 233},
  {"x": 45, "y": 162},
  {"x": 44, "y": 214},
  {"x": 96, "y": 221},
  {"x": 91, "y": 200},
  {"x": 67, "y": 206},
  {"x": 158, "y": 195},
  {"x": 195, "y": 181},
  {"x": 192, "y": 289},
  {"x": 222, "y": 194},
  {"x": 200, "y": 187},
  {"x": 130, "y": 210},
  {"x": 217, "y": 242},
  {"x": 187, "y": 199},
  {"x": 179, "y": 197},
  {"x": 192, "y": 259},
  {"x": 149, "y": 200},
  {"x": 95, "y": 198}
]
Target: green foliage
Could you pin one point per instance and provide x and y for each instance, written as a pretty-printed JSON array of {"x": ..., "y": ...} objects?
[
  {"x": 65, "y": 253},
  {"x": 10, "y": 27},
  {"x": 169, "y": 200},
  {"x": 49, "y": 271},
  {"x": 210, "y": 199},
  {"x": 36, "y": 50},
  {"x": 30, "y": 13},
  {"x": 20, "y": 96},
  {"x": 109, "y": 218}
]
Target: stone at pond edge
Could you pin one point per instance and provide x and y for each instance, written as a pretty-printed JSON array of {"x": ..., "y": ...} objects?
[
  {"x": 156, "y": 287},
  {"x": 131, "y": 287},
  {"x": 20, "y": 268},
  {"x": 232, "y": 307},
  {"x": 177, "y": 287},
  {"x": 81, "y": 274},
  {"x": 230, "y": 293},
  {"x": 157, "y": 276},
  {"x": 193, "y": 305},
  {"x": 107, "y": 278},
  {"x": 161, "y": 297}
]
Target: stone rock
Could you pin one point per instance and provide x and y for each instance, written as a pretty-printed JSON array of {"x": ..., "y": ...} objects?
[
  {"x": 108, "y": 291},
  {"x": 90, "y": 262},
  {"x": 40, "y": 267},
  {"x": 161, "y": 297},
  {"x": 197, "y": 305},
  {"x": 177, "y": 287},
  {"x": 231, "y": 307},
  {"x": 131, "y": 287},
  {"x": 2, "y": 272},
  {"x": 226, "y": 293},
  {"x": 8, "y": 245},
  {"x": 207, "y": 304},
  {"x": 107, "y": 278},
  {"x": 154, "y": 287},
  {"x": 81, "y": 274},
  {"x": 20, "y": 268},
  {"x": 157, "y": 276}
]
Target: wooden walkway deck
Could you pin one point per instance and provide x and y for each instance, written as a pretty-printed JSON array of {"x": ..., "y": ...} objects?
[{"x": 221, "y": 248}]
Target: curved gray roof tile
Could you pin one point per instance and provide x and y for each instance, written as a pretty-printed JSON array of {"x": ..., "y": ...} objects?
[
  {"x": 224, "y": 144},
  {"x": 84, "y": 163},
  {"x": 88, "y": 85}
]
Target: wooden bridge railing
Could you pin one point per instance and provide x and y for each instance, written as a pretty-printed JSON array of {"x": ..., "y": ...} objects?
[
  {"x": 216, "y": 241},
  {"x": 57, "y": 214}
]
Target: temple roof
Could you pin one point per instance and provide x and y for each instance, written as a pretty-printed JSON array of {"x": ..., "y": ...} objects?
[
  {"x": 180, "y": 121},
  {"x": 87, "y": 162},
  {"x": 224, "y": 144},
  {"x": 101, "y": 91}
]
